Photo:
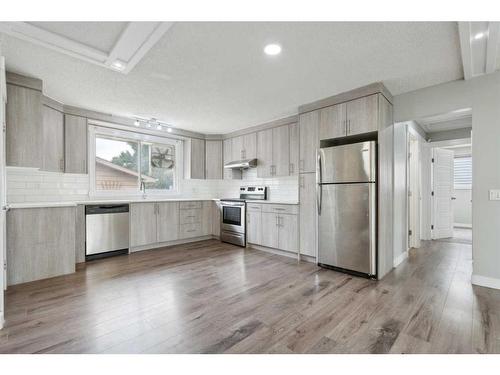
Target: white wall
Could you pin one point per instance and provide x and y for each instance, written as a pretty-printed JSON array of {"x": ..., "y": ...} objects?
[
  {"x": 400, "y": 207},
  {"x": 482, "y": 94}
]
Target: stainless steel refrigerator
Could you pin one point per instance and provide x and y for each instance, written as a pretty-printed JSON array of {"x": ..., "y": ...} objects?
[{"x": 347, "y": 205}]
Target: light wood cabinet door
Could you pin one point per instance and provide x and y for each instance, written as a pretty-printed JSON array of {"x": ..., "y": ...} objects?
[
  {"x": 216, "y": 213},
  {"x": 250, "y": 146},
  {"x": 53, "y": 140},
  {"x": 308, "y": 213},
  {"x": 269, "y": 232},
  {"x": 237, "y": 148},
  {"x": 362, "y": 115},
  {"x": 308, "y": 141},
  {"x": 75, "y": 142},
  {"x": 197, "y": 158},
  {"x": 281, "y": 151},
  {"x": 294, "y": 148},
  {"x": 40, "y": 243},
  {"x": 167, "y": 221},
  {"x": 143, "y": 224},
  {"x": 206, "y": 218},
  {"x": 23, "y": 138},
  {"x": 265, "y": 153},
  {"x": 288, "y": 234},
  {"x": 254, "y": 227},
  {"x": 227, "y": 151},
  {"x": 213, "y": 160},
  {"x": 332, "y": 122}
]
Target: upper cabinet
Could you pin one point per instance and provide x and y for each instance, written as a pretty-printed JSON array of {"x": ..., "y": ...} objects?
[
  {"x": 361, "y": 115},
  {"x": 277, "y": 151},
  {"x": 24, "y": 146},
  {"x": 244, "y": 147},
  {"x": 213, "y": 160},
  {"x": 354, "y": 117},
  {"x": 194, "y": 159},
  {"x": 309, "y": 141},
  {"x": 53, "y": 140},
  {"x": 75, "y": 141}
]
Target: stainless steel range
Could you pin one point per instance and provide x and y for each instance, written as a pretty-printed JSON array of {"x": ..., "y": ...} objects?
[{"x": 233, "y": 215}]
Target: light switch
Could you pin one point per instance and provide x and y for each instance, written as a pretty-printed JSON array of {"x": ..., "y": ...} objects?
[{"x": 494, "y": 194}]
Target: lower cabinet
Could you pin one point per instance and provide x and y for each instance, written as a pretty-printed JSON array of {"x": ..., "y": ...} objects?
[
  {"x": 40, "y": 243},
  {"x": 158, "y": 222},
  {"x": 274, "y": 226},
  {"x": 216, "y": 214}
]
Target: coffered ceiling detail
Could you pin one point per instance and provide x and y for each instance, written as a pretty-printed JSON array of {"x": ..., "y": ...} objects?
[{"x": 115, "y": 45}]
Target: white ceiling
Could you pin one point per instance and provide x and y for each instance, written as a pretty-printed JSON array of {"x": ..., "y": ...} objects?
[
  {"x": 214, "y": 77},
  {"x": 460, "y": 119}
]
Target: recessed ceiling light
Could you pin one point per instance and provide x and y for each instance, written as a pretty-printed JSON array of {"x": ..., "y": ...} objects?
[
  {"x": 479, "y": 35},
  {"x": 137, "y": 123},
  {"x": 272, "y": 49},
  {"x": 118, "y": 65},
  {"x": 169, "y": 130},
  {"x": 158, "y": 127}
]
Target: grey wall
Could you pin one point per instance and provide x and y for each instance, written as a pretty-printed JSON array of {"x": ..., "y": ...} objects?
[{"x": 482, "y": 94}]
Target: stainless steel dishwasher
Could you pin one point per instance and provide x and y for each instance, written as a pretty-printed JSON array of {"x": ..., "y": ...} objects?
[{"x": 106, "y": 232}]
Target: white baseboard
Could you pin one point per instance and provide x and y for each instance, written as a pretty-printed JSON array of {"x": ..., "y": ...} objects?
[
  {"x": 399, "y": 259},
  {"x": 488, "y": 282},
  {"x": 462, "y": 225}
]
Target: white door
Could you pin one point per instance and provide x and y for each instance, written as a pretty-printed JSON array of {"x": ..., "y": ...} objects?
[
  {"x": 3, "y": 196},
  {"x": 442, "y": 188}
]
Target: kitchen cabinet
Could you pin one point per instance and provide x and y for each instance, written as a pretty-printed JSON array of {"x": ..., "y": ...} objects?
[
  {"x": 227, "y": 151},
  {"x": 196, "y": 158},
  {"x": 143, "y": 224},
  {"x": 24, "y": 143},
  {"x": 361, "y": 115},
  {"x": 274, "y": 151},
  {"x": 167, "y": 221},
  {"x": 213, "y": 160},
  {"x": 244, "y": 147},
  {"x": 308, "y": 141},
  {"x": 192, "y": 219},
  {"x": 281, "y": 151},
  {"x": 265, "y": 153},
  {"x": 75, "y": 144},
  {"x": 308, "y": 213},
  {"x": 206, "y": 218},
  {"x": 40, "y": 243},
  {"x": 294, "y": 149},
  {"x": 332, "y": 121},
  {"x": 274, "y": 226},
  {"x": 52, "y": 140},
  {"x": 216, "y": 214},
  {"x": 254, "y": 223}
]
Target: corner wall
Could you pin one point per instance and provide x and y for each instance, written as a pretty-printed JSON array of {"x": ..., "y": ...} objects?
[{"x": 482, "y": 94}]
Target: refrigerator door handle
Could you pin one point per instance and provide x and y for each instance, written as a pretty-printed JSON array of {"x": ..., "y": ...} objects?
[{"x": 319, "y": 180}]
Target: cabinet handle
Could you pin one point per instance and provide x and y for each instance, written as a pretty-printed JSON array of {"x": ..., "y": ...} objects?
[
  {"x": 301, "y": 164},
  {"x": 61, "y": 165},
  {"x": 84, "y": 166},
  {"x": 291, "y": 168},
  {"x": 348, "y": 126},
  {"x": 277, "y": 220},
  {"x": 301, "y": 183},
  {"x": 279, "y": 209}
]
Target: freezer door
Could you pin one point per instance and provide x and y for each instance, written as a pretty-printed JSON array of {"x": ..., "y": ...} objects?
[
  {"x": 347, "y": 227},
  {"x": 348, "y": 163}
]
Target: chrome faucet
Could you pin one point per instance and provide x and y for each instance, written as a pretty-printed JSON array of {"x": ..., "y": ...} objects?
[{"x": 143, "y": 187}]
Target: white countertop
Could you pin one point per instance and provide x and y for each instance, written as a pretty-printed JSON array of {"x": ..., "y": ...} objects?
[{"x": 133, "y": 200}]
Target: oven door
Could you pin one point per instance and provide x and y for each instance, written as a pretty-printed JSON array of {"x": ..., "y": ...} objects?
[{"x": 233, "y": 217}]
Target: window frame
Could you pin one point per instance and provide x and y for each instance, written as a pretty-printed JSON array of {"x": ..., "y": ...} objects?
[
  {"x": 111, "y": 132},
  {"x": 462, "y": 186}
]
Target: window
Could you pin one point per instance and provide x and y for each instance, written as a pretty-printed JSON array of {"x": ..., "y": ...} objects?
[
  {"x": 462, "y": 172},
  {"x": 122, "y": 160}
]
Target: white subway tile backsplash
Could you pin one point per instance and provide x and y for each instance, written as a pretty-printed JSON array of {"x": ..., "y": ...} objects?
[{"x": 32, "y": 185}]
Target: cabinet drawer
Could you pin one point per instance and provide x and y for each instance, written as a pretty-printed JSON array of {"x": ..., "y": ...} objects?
[
  {"x": 189, "y": 205},
  {"x": 190, "y": 216},
  {"x": 281, "y": 208},
  {"x": 190, "y": 230},
  {"x": 254, "y": 207}
]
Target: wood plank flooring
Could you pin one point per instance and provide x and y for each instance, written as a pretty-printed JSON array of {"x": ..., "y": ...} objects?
[{"x": 208, "y": 297}]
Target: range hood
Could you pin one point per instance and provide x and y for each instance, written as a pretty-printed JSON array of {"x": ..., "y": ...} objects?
[{"x": 241, "y": 164}]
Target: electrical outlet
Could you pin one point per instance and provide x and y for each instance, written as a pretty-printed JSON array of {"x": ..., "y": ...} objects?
[{"x": 494, "y": 194}]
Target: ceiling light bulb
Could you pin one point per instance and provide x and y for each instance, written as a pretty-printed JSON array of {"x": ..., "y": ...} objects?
[
  {"x": 137, "y": 123},
  {"x": 479, "y": 36},
  {"x": 169, "y": 130},
  {"x": 272, "y": 49},
  {"x": 158, "y": 127},
  {"x": 118, "y": 65}
]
